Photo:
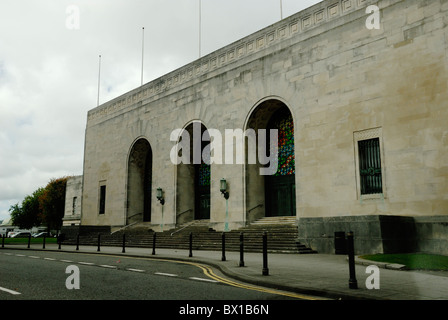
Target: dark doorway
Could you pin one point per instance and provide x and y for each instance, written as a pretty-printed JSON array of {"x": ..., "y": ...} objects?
[
  {"x": 202, "y": 191},
  {"x": 202, "y": 184},
  {"x": 139, "y": 182},
  {"x": 280, "y": 187}
]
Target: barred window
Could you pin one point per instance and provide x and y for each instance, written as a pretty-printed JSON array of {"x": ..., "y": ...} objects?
[
  {"x": 74, "y": 205},
  {"x": 370, "y": 166},
  {"x": 102, "y": 204}
]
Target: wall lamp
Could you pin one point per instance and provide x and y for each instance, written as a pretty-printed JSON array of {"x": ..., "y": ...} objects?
[
  {"x": 159, "y": 196},
  {"x": 223, "y": 188}
]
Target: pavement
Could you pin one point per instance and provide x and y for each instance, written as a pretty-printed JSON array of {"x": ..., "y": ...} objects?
[{"x": 318, "y": 275}]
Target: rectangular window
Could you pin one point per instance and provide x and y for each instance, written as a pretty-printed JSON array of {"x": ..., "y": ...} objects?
[
  {"x": 370, "y": 166},
  {"x": 74, "y": 205},
  {"x": 102, "y": 203}
]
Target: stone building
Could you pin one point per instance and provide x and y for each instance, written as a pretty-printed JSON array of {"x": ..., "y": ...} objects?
[
  {"x": 358, "y": 95},
  {"x": 73, "y": 199}
]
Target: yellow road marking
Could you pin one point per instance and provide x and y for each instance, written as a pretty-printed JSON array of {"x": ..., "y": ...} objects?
[{"x": 209, "y": 273}]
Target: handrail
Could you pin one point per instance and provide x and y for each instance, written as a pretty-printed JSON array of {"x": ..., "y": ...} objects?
[
  {"x": 135, "y": 214},
  {"x": 185, "y": 226},
  {"x": 259, "y": 205},
  {"x": 122, "y": 228},
  {"x": 184, "y": 212},
  {"x": 248, "y": 211}
]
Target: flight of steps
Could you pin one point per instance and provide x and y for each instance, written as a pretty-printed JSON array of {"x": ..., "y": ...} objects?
[{"x": 281, "y": 237}]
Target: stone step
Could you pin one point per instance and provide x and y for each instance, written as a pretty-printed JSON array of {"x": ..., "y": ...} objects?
[
  {"x": 281, "y": 220},
  {"x": 282, "y": 236}
]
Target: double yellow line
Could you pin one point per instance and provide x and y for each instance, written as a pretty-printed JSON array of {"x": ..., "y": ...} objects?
[{"x": 209, "y": 273}]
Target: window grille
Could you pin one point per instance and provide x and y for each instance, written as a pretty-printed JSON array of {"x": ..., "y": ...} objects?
[
  {"x": 102, "y": 200},
  {"x": 370, "y": 166}
]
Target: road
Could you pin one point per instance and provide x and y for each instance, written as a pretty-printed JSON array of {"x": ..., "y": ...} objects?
[{"x": 40, "y": 275}]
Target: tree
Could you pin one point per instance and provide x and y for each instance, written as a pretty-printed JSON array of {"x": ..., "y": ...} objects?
[
  {"x": 16, "y": 214},
  {"x": 27, "y": 215},
  {"x": 52, "y": 203}
]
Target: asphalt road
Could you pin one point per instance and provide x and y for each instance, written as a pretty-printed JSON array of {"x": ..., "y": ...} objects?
[{"x": 40, "y": 275}]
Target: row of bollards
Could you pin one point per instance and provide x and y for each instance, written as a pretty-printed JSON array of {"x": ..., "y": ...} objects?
[
  {"x": 353, "y": 284},
  {"x": 265, "y": 270}
]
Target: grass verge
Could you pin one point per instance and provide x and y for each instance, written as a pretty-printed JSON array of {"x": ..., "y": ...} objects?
[
  {"x": 33, "y": 240},
  {"x": 413, "y": 261}
]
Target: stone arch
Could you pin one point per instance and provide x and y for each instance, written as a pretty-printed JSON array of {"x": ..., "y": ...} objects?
[
  {"x": 193, "y": 178},
  {"x": 139, "y": 184},
  {"x": 271, "y": 195}
]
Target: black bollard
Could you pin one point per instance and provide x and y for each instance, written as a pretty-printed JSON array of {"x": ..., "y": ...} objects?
[
  {"x": 154, "y": 244},
  {"x": 241, "y": 250},
  {"x": 29, "y": 240},
  {"x": 77, "y": 242},
  {"x": 265, "y": 254},
  {"x": 99, "y": 241},
  {"x": 124, "y": 243},
  {"x": 223, "y": 242},
  {"x": 43, "y": 242},
  {"x": 191, "y": 245},
  {"x": 3, "y": 240},
  {"x": 352, "y": 283},
  {"x": 59, "y": 241}
]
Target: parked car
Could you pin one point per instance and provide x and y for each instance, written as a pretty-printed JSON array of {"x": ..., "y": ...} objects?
[
  {"x": 41, "y": 235},
  {"x": 21, "y": 235}
]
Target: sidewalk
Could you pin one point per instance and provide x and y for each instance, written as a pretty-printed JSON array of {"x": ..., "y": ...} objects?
[{"x": 323, "y": 275}]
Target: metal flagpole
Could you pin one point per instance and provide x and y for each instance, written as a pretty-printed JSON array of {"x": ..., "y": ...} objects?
[
  {"x": 99, "y": 76},
  {"x": 143, "y": 50},
  {"x": 200, "y": 26},
  {"x": 281, "y": 9}
]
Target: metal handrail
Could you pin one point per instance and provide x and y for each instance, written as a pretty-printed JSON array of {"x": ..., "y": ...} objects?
[
  {"x": 122, "y": 228},
  {"x": 259, "y": 205},
  {"x": 185, "y": 226}
]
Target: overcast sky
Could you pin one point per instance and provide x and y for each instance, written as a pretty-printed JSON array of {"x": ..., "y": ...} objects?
[{"x": 49, "y": 69}]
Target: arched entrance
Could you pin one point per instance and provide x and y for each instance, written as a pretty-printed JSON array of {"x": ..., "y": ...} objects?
[
  {"x": 193, "y": 177},
  {"x": 272, "y": 195},
  {"x": 139, "y": 182}
]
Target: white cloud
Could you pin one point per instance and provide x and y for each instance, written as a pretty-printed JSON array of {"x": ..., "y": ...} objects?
[{"x": 49, "y": 73}]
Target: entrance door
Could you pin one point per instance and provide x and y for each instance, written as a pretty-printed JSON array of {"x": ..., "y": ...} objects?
[
  {"x": 280, "y": 187},
  {"x": 202, "y": 190},
  {"x": 280, "y": 196}
]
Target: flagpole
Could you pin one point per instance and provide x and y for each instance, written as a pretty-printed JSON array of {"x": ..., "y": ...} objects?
[
  {"x": 143, "y": 50},
  {"x": 200, "y": 26},
  {"x": 281, "y": 9},
  {"x": 99, "y": 76}
]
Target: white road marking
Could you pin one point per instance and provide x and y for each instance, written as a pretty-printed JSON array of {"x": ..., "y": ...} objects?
[
  {"x": 87, "y": 263},
  {"x": 166, "y": 274},
  {"x": 9, "y": 291},
  {"x": 107, "y": 266},
  {"x": 34, "y": 257},
  {"x": 69, "y": 261},
  {"x": 50, "y": 259},
  {"x": 202, "y": 279},
  {"x": 135, "y": 270},
  {"x": 20, "y": 255}
]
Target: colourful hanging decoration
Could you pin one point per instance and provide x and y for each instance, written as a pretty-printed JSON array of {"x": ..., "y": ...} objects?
[
  {"x": 286, "y": 158},
  {"x": 204, "y": 172}
]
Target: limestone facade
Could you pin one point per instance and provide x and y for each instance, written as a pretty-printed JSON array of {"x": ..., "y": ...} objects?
[
  {"x": 73, "y": 201},
  {"x": 342, "y": 83}
]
